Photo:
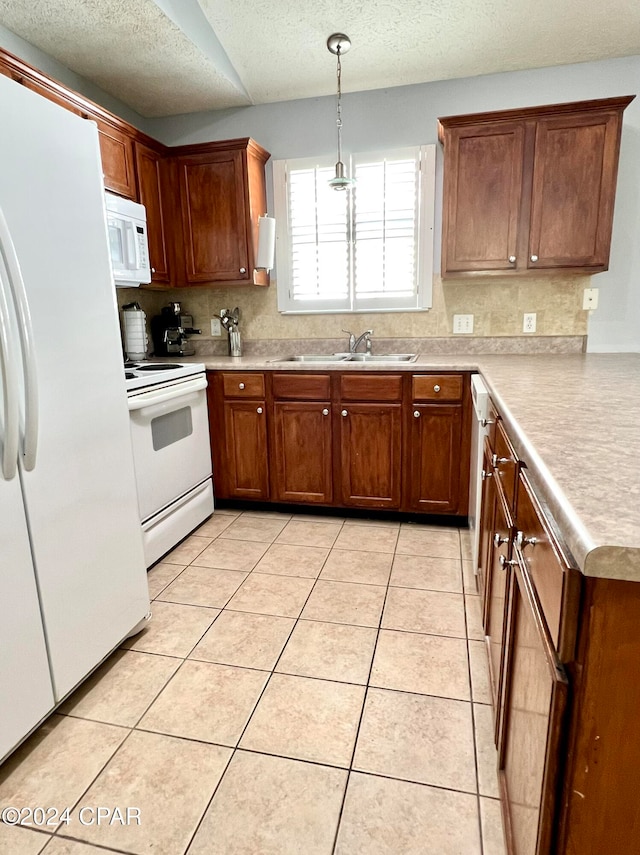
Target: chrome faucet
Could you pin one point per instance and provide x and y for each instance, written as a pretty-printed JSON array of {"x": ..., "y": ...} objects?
[{"x": 354, "y": 342}]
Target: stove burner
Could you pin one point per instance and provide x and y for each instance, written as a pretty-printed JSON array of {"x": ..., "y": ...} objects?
[
  {"x": 128, "y": 375},
  {"x": 159, "y": 366}
]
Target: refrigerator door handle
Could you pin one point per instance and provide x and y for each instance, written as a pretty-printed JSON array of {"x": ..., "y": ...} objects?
[
  {"x": 8, "y": 251},
  {"x": 9, "y": 381}
]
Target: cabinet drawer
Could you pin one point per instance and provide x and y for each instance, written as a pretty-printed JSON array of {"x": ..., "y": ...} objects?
[
  {"x": 437, "y": 387},
  {"x": 548, "y": 567},
  {"x": 505, "y": 462},
  {"x": 371, "y": 387},
  {"x": 238, "y": 385},
  {"x": 302, "y": 387}
]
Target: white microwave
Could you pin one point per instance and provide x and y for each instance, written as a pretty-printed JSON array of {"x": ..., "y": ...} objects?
[{"x": 128, "y": 245}]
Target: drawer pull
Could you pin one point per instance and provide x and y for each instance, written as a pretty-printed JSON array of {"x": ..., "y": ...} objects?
[
  {"x": 344, "y": 413},
  {"x": 497, "y": 540},
  {"x": 416, "y": 414},
  {"x": 523, "y": 541},
  {"x": 243, "y": 270},
  {"x": 512, "y": 259},
  {"x": 486, "y": 474},
  {"x": 436, "y": 388},
  {"x": 259, "y": 411},
  {"x": 486, "y": 422},
  {"x": 325, "y": 412},
  {"x": 495, "y": 460},
  {"x": 504, "y": 562},
  {"x": 534, "y": 258},
  {"x": 240, "y": 385}
]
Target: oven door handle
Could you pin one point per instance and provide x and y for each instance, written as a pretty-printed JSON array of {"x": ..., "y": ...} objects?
[{"x": 150, "y": 399}]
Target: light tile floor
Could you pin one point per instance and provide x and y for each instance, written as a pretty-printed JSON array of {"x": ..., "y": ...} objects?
[{"x": 307, "y": 685}]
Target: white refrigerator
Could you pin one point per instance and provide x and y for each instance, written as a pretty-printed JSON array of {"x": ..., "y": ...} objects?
[{"x": 72, "y": 571}]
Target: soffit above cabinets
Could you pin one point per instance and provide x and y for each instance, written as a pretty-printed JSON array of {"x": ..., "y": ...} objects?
[{"x": 165, "y": 57}]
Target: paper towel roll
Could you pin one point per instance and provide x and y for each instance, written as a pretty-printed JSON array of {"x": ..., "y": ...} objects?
[{"x": 266, "y": 243}]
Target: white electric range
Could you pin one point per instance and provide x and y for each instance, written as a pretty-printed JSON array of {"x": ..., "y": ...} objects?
[{"x": 171, "y": 450}]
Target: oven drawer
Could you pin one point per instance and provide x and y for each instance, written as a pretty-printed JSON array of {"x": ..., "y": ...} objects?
[
  {"x": 240, "y": 385},
  {"x": 170, "y": 441}
]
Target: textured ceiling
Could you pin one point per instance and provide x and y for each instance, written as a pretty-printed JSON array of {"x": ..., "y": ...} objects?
[{"x": 164, "y": 57}]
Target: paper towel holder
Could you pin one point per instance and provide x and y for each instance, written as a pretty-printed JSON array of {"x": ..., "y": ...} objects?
[{"x": 266, "y": 243}]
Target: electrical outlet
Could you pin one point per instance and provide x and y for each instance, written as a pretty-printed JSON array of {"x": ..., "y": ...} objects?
[
  {"x": 529, "y": 322},
  {"x": 216, "y": 329},
  {"x": 590, "y": 299},
  {"x": 462, "y": 324}
]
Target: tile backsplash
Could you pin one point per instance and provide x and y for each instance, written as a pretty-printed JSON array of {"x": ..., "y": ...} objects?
[{"x": 497, "y": 305}]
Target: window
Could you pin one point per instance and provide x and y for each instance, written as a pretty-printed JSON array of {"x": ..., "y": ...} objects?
[{"x": 369, "y": 249}]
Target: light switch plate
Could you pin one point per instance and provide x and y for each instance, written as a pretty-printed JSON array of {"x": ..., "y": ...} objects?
[
  {"x": 590, "y": 299},
  {"x": 216, "y": 329},
  {"x": 462, "y": 324}
]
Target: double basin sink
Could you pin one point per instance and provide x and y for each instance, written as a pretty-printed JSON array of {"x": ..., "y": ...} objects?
[{"x": 379, "y": 358}]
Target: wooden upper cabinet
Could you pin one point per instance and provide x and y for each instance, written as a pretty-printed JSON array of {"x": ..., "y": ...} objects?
[
  {"x": 574, "y": 177},
  {"x": 222, "y": 194},
  {"x": 118, "y": 161},
  {"x": 532, "y": 189},
  {"x": 483, "y": 189},
  {"x": 149, "y": 165}
]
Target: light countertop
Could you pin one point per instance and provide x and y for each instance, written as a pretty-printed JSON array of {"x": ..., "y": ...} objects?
[{"x": 574, "y": 419}]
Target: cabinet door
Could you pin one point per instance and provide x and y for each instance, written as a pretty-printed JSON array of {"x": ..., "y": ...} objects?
[
  {"x": 498, "y": 583},
  {"x": 435, "y": 438},
  {"x": 116, "y": 150},
  {"x": 302, "y": 450},
  {"x": 150, "y": 194},
  {"x": 574, "y": 173},
  {"x": 482, "y": 193},
  {"x": 370, "y": 448},
  {"x": 535, "y": 701},
  {"x": 214, "y": 217},
  {"x": 246, "y": 461}
]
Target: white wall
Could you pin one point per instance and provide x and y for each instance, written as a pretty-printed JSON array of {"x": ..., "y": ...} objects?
[{"x": 407, "y": 115}]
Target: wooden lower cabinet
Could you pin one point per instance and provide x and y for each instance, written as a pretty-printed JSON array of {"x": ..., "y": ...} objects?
[
  {"x": 435, "y": 441},
  {"x": 341, "y": 439},
  {"x": 535, "y": 698},
  {"x": 245, "y": 450},
  {"x": 370, "y": 455},
  {"x": 302, "y": 452}
]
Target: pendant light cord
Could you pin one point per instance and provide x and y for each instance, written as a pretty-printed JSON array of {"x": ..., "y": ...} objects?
[{"x": 339, "y": 106}]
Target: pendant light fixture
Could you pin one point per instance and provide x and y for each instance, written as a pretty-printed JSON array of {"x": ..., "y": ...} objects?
[{"x": 338, "y": 44}]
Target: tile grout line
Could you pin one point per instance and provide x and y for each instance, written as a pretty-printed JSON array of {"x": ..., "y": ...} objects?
[
  {"x": 255, "y": 706},
  {"x": 473, "y": 718},
  {"x": 364, "y": 703}
]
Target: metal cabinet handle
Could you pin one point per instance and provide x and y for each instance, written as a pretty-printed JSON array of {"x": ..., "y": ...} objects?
[
  {"x": 495, "y": 460},
  {"x": 436, "y": 388},
  {"x": 325, "y": 412},
  {"x": 497, "y": 540},
  {"x": 153, "y": 270},
  {"x": 240, "y": 385},
  {"x": 523, "y": 541},
  {"x": 486, "y": 474},
  {"x": 485, "y": 422},
  {"x": 534, "y": 258},
  {"x": 243, "y": 270},
  {"x": 344, "y": 413},
  {"x": 259, "y": 411},
  {"x": 512, "y": 259},
  {"x": 504, "y": 562},
  {"x": 416, "y": 414}
]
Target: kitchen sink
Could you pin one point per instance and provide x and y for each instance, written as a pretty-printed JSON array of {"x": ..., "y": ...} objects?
[{"x": 378, "y": 358}]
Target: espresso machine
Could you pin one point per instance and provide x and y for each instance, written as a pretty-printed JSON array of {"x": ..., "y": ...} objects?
[{"x": 170, "y": 331}]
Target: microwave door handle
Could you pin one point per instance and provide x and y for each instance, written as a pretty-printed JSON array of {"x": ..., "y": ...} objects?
[
  {"x": 132, "y": 249},
  {"x": 11, "y": 439},
  {"x": 25, "y": 329}
]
